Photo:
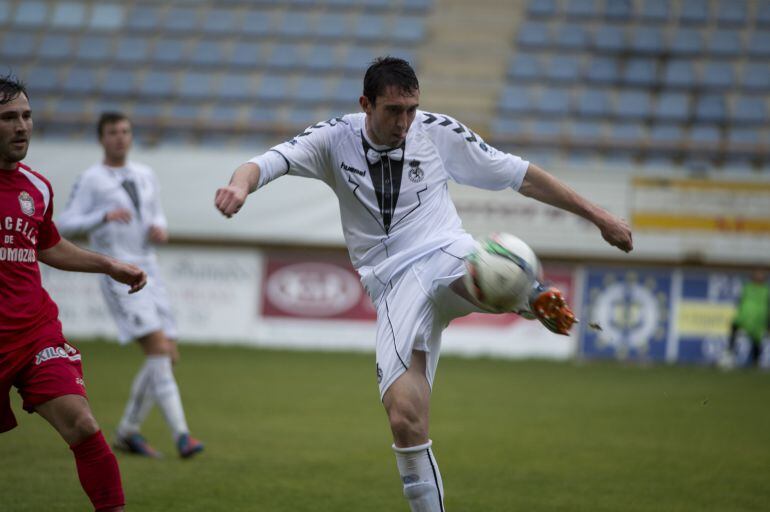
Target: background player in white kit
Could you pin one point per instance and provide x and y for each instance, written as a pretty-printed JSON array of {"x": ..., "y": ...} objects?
[
  {"x": 388, "y": 167},
  {"x": 117, "y": 203}
]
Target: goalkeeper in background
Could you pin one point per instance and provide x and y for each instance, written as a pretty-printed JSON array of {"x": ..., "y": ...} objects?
[{"x": 752, "y": 315}]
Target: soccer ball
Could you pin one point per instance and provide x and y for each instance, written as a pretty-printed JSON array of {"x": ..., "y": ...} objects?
[{"x": 501, "y": 272}]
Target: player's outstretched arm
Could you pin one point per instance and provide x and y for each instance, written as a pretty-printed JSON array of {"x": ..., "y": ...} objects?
[
  {"x": 67, "y": 256},
  {"x": 548, "y": 189},
  {"x": 230, "y": 199}
]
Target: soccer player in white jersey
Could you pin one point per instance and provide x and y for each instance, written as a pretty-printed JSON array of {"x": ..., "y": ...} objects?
[
  {"x": 389, "y": 167},
  {"x": 117, "y": 203}
]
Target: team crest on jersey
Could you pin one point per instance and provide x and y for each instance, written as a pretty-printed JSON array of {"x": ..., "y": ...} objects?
[
  {"x": 27, "y": 203},
  {"x": 415, "y": 173}
]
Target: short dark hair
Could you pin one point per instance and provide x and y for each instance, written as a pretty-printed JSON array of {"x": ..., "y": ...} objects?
[
  {"x": 389, "y": 71},
  {"x": 109, "y": 117},
  {"x": 10, "y": 88}
]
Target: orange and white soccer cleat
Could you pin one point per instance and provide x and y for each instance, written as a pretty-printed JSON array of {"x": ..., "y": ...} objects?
[{"x": 547, "y": 304}]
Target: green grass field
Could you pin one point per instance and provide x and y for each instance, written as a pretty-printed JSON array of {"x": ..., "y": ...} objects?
[{"x": 294, "y": 431}]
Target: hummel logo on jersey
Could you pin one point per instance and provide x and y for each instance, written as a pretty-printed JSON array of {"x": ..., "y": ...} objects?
[
  {"x": 348, "y": 168},
  {"x": 64, "y": 351},
  {"x": 27, "y": 203},
  {"x": 415, "y": 173}
]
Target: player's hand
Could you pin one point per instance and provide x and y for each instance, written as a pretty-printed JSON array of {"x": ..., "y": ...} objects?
[
  {"x": 158, "y": 235},
  {"x": 230, "y": 199},
  {"x": 118, "y": 215},
  {"x": 616, "y": 231},
  {"x": 128, "y": 274}
]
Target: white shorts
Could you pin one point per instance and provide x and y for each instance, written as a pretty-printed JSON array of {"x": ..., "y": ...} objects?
[
  {"x": 140, "y": 313},
  {"x": 413, "y": 309}
]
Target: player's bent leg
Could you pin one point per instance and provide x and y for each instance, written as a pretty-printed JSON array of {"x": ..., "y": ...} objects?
[
  {"x": 97, "y": 467},
  {"x": 407, "y": 402}
]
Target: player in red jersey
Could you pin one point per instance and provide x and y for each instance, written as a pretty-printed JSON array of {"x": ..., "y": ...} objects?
[{"x": 34, "y": 356}]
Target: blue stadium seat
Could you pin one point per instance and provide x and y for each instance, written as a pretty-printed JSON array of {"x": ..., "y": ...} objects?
[
  {"x": 408, "y": 30},
  {"x": 293, "y": 25},
  {"x": 144, "y": 109},
  {"x": 654, "y": 10},
  {"x": 261, "y": 115},
  {"x": 693, "y": 11},
  {"x": 246, "y": 55},
  {"x": 209, "y": 53},
  {"x": 743, "y": 136},
  {"x": 725, "y": 42},
  {"x": 311, "y": 90},
  {"x": 593, "y": 103},
  {"x": 756, "y": 76},
  {"x": 533, "y": 35},
  {"x": 563, "y": 68},
  {"x": 197, "y": 85},
  {"x": 603, "y": 70},
  {"x": 633, "y": 105},
  {"x": 371, "y": 27},
  {"x": 185, "y": 112},
  {"x": 554, "y": 101},
  {"x": 227, "y": 115},
  {"x": 322, "y": 58},
  {"x": 609, "y": 38},
  {"x": 641, "y": 72},
  {"x": 331, "y": 25},
  {"x": 18, "y": 45},
  {"x": 750, "y": 110},
  {"x": 506, "y": 127},
  {"x": 93, "y": 48},
  {"x": 516, "y": 99},
  {"x": 546, "y": 128},
  {"x": 68, "y": 15},
  {"x": 647, "y": 40},
  {"x": 710, "y": 108},
  {"x": 347, "y": 90},
  {"x": 236, "y": 87},
  {"x": 672, "y": 106},
  {"x": 576, "y": 9},
  {"x": 31, "y": 13},
  {"x": 571, "y": 37},
  {"x": 358, "y": 58},
  {"x": 686, "y": 41},
  {"x": 619, "y": 10},
  {"x": 542, "y": 8},
  {"x": 220, "y": 21},
  {"x": 666, "y": 133},
  {"x": 70, "y": 107},
  {"x": 144, "y": 18},
  {"x": 181, "y": 19},
  {"x": 256, "y": 22},
  {"x": 107, "y": 17},
  {"x": 759, "y": 44},
  {"x": 274, "y": 88},
  {"x": 118, "y": 82},
  {"x": 42, "y": 79},
  {"x": 5, "y": 11},
  {"x": 80, "y": 80},
  {"x": 131, "y": 49},
  {"x": 585, "y": 130},
  {"x": 680, "y": 73},
  {"x": 55, "y": 47},
  {"x": 627, "y": 133},
  {"x": 169, "y": 51},
  {"x": 762, "y": 16},
  {"x": 718, "y": 75},
  {"x": 417, "y": 5},
  {"x": 707, "y": 135},
  {"x": 732, "y": 12},
  {"x": 159, "y": 84},
  {"x": 524, "y": 67},
  {"x": 285, "y": 56}
]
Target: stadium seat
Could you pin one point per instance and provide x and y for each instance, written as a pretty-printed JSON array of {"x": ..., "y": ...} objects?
[
  {"x": 732, "y": 12},
  {"x": 41, "y": 79},
  {"x": 693, "y": 11},
  {"x": 672, "y": 106},
  {"x": 710, "y": 108},
  {"x": 408, "y": 30},
  {"x": 5, "y": 11},
  {"x": 261, "y": 115},
  {"x": 68, "y": 15},
  {"x": 686, "y": 41},
  {"x": 55, "y": 47},
  {"x": 627, "y": 133},
  {"x": 131, "y": 49},
  {"x": 144, "y": 18},
  {"x": 640, "y": 72},
  {"x": 593, "y": 103},
  {"x": 541, "y": 8},
  {"x": 647, "y": 40},
  {"x": 322, "y": 58},
  {"x": 246, "y": 55},
  {"x": 169, "y": 51},
  {"x": 707, "y": 135},
  {"x": 725, "y": 42},
  {"x": 743, "y": 136},
  {"x": 554, "y": 101},
  {"x": 750, "y": 110},
  {"x": 181, "y": 19},
  {"x": 571, "y": 37},
  {"x": 226, "y": 115},
  {"x": 274, "y": 88},
  {"x": 417, "y": 5},
  {"x": 236, "y": 87},
  {"x": 107, "y": 17},
  {"x": 756, "y": 76},
  {"x": 147, "y": 110},
  {"x": 220, "y": 21},
  {"x": 346, "y": 90},
  {"x": 609, "y": 38},
  {"x": 293, "y": 25},
  {"x": 666, "y": 133},
  {"x": 118, "y": 82},
  {"x": 311, "y": 90},
  {"x": 524, "y": 67},
  {"x": 563, "y": 68},
  {"x": 158, "y": 84},
  {"x": 633, "y": 105},
  {"x": 371, "y": 28},
  {"x": 185, "y": 112},
  {"x": 680, "y": 73},
  {"x": 209, "y": 53},
  {"x": 70, "y": 107},
  {"x": 619, "y": 10},
  {"x": 603, "y": 70},
  {"x": 759, "y": 44},
  {"x": 507, "y": 127},
  {"x": 358, "y": 58},
  {"x": 332, "y": 26},
  {"x": 654, "y": 10},
  {"x": 256, "y": 23},
  {"x": 515, "y": 99},
  {"x": 80, "y": 80},
  {"x": 285, "y": 56},
  {"x": 546, "y": 128},
  {"x": 762, "y": 17},
  {"x": 197, "y": 85},
  {"x": 93, "y": 48},
  {"x": 585, "y": 130},
  {"x": 718, "y": 75},
  {"x": 576, "y": 9},
  {"x": 533, "y": 35},
  {"x": 31, "y": 13}
]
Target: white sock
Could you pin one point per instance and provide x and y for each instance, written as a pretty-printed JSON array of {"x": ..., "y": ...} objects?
[
  {"x": 166, "y": 394},
  {"x": 140, "y": 401},
  {"x": 423, "y": 487}
]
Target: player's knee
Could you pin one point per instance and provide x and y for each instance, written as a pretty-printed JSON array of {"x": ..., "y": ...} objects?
[
  {"x": 406, "y": 422},
  {"x": 84, "y": 425}
]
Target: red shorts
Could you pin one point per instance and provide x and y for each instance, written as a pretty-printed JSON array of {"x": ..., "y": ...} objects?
[{"x": 41, "y": 371}]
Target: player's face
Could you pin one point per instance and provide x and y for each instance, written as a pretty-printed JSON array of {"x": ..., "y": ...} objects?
[
  {"x": 391, "y": 115},
  {"x": 15, "y": 131},
  {"x": 116, "y": 140}
]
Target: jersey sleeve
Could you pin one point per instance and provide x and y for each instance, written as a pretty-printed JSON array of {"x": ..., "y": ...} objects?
[
  {"x": 79, "y": 216},
  {"x": 308, "y": 154},
  {"x": 48, "y": 235},
  {"x": 468, "y": 159}
]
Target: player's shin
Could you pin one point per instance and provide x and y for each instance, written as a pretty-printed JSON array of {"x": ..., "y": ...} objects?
[
  {"x": 167, "y": 395},
  {"x": 140, "y": 402},
  {"x": 420, "y": 475},
  {"x": 98, "y": 472}
]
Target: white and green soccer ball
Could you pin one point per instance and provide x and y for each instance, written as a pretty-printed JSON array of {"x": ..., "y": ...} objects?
[{"x": 501, "y": 272}]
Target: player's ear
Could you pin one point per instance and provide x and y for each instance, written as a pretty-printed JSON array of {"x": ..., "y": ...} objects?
[{"x": 366, "y": 105}]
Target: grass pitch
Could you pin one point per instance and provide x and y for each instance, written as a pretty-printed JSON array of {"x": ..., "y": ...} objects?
[{"x": 293, "y": 432}]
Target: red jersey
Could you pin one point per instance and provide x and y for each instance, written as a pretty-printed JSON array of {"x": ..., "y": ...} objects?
[{"x": 26, "y": 227}]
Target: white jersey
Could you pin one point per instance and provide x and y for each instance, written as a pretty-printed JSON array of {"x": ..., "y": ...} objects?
[
  {"x": 101, "y": 189},
  {"x": 394, "y": 203}
]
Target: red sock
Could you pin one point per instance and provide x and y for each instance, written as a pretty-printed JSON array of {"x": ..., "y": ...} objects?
[{"x": 98, "y": 472}]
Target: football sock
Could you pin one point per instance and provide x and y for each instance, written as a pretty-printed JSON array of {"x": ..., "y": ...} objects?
[
  {"x": 423, "y": 487},
  {"x": 98, "y": 472},
  {"x": 167, "y": 395},
  {"x": 140, "y": 401}
]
